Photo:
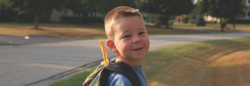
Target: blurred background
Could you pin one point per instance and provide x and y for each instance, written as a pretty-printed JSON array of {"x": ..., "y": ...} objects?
[
  {"x": 43, "y": 17},
  {"x": 43, "y": 41}
]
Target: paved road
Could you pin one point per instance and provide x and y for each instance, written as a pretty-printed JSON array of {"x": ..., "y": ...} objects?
[
  {"x": 42, "y": 63},
  {"x": 18, "y": 40}
]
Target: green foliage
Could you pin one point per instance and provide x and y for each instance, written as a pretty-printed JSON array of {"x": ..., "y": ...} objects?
[
  {"x": 201, "y": 6},
  {"x": 191, "y": 21},
  {"x": 4, "y": 1},
  {"x": 76, "y": 5},
  {"x": 146, "y": 19},
  {"x": 240, "y": 21},
  {"x": 35, "y": 7},
  {"x": 104, "y": 6},
  {"x": 168, "y": 7},
  {"x": 40, "y": 6},
  {"x": 185, "y": 20},
  {"x": 45, "y": 19},
  {"x": 29, "y": 18},
  {"x": 220, "y": 8},
  {"x": 5, "y": 18},
  {"x": 95, "y": 20},
  {"x": 201, "y": 22},
  {"x": 172, "y": 17},
  {"x": 139, "y": 3},
  {"x": 25, "y": 18},
  {"x": 66, "y": 19},
  {"x": 159, "y": 20},
  {"x": 171, "y": 22},
  {"x": 225, "y": 20}
]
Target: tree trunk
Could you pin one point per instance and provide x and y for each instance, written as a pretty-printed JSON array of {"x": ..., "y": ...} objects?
[
  {"x": 95, "y": 13},
  {"x": 167, "y": 20},
  {"x": 234, "y": 21},
  {"x": 36, "y": 20},
  {"x": 222, "y": 27},
  {"x": 74, "y": 13},
  {"x": 234, "y": 26},
  {"x": 220, "y": 20}
]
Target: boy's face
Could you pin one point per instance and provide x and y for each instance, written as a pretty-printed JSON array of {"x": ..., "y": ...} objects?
[{"x": 131, "y": 39}]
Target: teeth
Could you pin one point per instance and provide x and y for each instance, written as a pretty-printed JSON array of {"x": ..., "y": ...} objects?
[{"x": 138, "y": 49}]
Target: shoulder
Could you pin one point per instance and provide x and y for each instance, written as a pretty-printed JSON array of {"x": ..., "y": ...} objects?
[{"x": 117, "y": 79}]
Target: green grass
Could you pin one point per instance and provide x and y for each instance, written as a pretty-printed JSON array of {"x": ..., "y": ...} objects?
[
  {"x": 240, "y": 27},
  {"x": 75, "y": 80},
  {"x": 1, "y": 44},
  {"x": 177, "y": 64}
]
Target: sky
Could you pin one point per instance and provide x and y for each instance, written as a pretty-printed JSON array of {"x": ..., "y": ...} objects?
[{"x": 195, "y": 1}]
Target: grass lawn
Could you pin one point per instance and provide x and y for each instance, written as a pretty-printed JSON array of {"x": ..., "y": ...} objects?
[
  {"x": 76, "y": 80},
  {"x": 208, "y": 63},
  {"x": 1, "y": 44},
  {"x": 239, "y": 27},
  {"x": 95, "y": 30}
]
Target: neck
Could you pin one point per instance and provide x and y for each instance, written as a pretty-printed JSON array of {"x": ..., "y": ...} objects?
[{"x": 134, "y": 63}]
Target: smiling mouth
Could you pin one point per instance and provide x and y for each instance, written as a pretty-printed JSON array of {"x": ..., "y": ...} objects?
[{"x": 138, "y": 49}]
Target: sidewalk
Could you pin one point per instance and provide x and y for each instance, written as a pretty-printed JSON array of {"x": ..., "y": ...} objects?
[{"x": 42, "y": 63}]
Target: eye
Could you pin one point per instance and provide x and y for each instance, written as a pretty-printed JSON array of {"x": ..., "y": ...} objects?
[
  {"x": 141, "y": 33},
  {"x": 127, "y": 36}
]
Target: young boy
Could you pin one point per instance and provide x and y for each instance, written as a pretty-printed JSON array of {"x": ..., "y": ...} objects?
[{"x": 128, "y": 39}]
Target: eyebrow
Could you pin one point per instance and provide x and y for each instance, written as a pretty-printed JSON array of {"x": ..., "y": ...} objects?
[
  {"x": 125, "y": 32},
  {"x": 141, "y": 28},
  {"x": 128, "y": 31}
]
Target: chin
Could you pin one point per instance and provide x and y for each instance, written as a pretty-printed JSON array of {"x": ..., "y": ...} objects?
[{"x": 139, "y": 57}]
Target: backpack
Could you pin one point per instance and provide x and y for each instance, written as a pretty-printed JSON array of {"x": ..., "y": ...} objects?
[{"x": 99, "y": 77}]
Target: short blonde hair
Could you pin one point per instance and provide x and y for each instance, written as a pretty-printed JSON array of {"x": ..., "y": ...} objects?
[{"x": 115, "y": 14}]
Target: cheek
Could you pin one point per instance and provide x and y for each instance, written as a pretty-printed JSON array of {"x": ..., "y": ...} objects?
[
  {"x": 127, "y": 44},
  {"x": 146, "y": 41},
  {"x": 124, "y": 46}
]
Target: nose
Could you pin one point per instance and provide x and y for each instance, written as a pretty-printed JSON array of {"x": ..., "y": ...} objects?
[{"x": 137, "y": 39}]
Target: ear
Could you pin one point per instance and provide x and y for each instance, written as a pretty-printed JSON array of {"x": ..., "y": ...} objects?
[{"x": 111, "y": 45}]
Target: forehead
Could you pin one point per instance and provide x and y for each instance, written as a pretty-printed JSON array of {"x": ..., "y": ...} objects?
[{"x": 128, "y": 23}]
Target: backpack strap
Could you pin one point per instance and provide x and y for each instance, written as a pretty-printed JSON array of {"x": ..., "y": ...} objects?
[{"x": 122, "y": 68}]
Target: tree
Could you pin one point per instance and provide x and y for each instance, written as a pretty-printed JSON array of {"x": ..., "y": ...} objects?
[
  {"x": 168, "y": 7},
  {"x": 76, "y": 6},
  {"x": 37, "y": 7},
  {"x": 201, "y": 6},
  {"x": 104, "y": 6},
  {"x": 139, "y": 4},
  {"x": 100, "y": 6},
  {"x": 221, "y": 8}
]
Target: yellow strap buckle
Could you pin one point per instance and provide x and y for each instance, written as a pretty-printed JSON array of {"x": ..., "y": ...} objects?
[{"x": 104, "y": 53}]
